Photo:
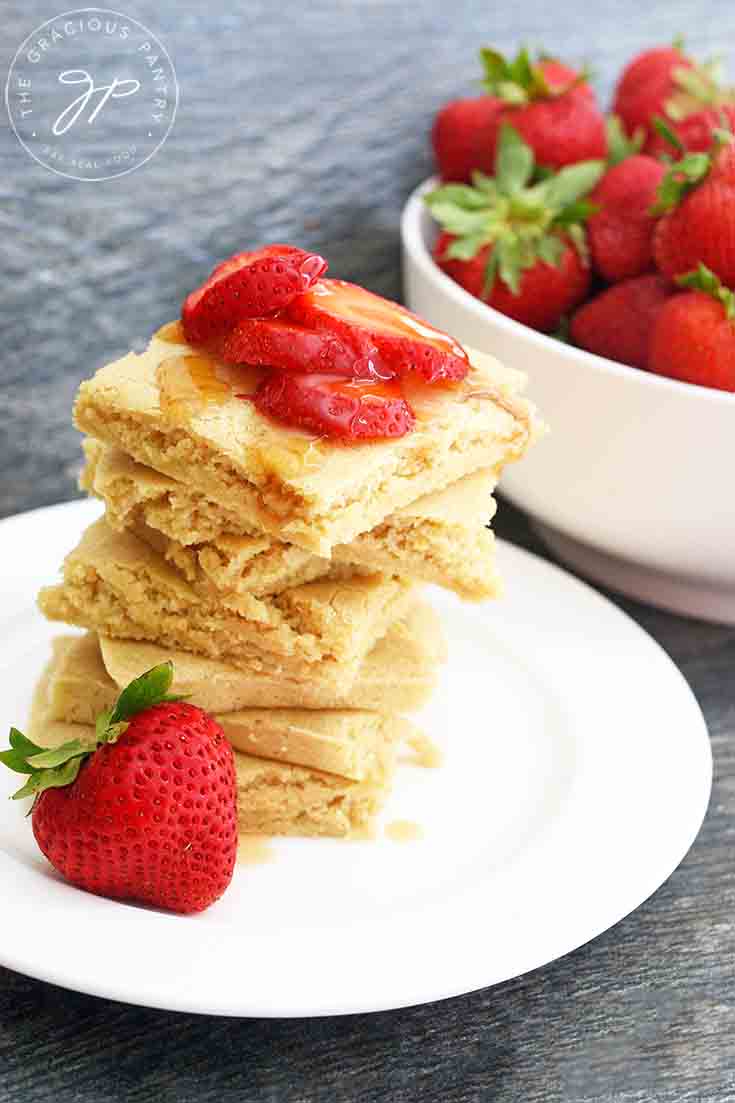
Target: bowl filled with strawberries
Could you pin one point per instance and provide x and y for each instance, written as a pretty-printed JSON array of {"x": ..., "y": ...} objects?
[{"x": 598, "y": 255}]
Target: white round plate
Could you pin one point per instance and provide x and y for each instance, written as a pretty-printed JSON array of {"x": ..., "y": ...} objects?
[{"x": 577, "y": 773}]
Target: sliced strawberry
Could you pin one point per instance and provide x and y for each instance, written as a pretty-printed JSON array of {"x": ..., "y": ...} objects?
[
  {"x": 389, "y": 339},
  {"x": 248, "y": 285},
  {"x": 280, "y": 343},
  {"x": 351, "y": 410}
]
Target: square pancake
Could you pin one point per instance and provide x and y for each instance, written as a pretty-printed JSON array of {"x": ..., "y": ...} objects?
[
  {"x": 338, "y": 741},
  {"x": 398, "y": 675},
  {"x": 439, "y": 538},
  {"x": 191, "y": 417},
  {"x": 119, "y": 586},
  {"x": 273, "y": 798}
]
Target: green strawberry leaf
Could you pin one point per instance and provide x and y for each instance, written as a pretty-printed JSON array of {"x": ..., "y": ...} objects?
[
  {"x": 491, "y": 272},
  {"x": 696, "y": 87},
  {"x": 551, "y": 250},
  {"x": 56, "y": 778},
  {"x": 458, "y": 221},
  {"x": 510, "y": 262},
  {"x": 57, "y": 756},
  {"x": 20, "y": 742},
  {"x": 460, "y": 195},
  {"x": 465, "y": 248},
  {"x": 681, "y": 177},
  {"x": 578, "y": 238},
  {"x": 29, "y": 789},
  {"x": 523, "y": 72},
  {"x": 664, "y": 130},
  {"x": 16, "y": 757},
  {"x": 495, "y": 66},
  {"x": 15, "y": 761},
  {"x": 619, "y": 145},
  {"x": 704, "y": 279},
  {"x": 514, "y": 161},
  {"x": 149, "y": 689},
  {"x": 518, "y": 81},
  {"x": 484, "y": 184},
  {"x": 572, "y": 183},
  {"x": 576, "y": 212}
]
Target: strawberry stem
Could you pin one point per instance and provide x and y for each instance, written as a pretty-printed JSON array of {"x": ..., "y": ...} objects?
[
  {"x": 704, "y": 279},
  {"x": 522, "y": 217},
  {"x": 686, "y": 173},
  {"x": 521, "y": 80}
]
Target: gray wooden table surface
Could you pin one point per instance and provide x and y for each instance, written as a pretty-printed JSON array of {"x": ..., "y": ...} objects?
[{"x": 308, "y": 122}]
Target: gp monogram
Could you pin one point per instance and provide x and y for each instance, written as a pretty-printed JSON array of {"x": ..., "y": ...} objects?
[{"x": 92, "y": 94}]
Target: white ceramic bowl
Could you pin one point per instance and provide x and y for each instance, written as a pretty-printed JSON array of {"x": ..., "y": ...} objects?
[{"x": 634, "y": 484}]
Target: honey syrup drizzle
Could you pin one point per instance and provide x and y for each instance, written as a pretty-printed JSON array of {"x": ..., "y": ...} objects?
[
  {"x": 187, "y": 384},
  {"x": 172, "y": 333}
]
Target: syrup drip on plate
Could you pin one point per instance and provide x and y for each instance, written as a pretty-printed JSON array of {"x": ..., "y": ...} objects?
[
  {"x": 254, "y": 850},
  {"x": 426, "y": 752},
  {"x": 404, "y": 831}
]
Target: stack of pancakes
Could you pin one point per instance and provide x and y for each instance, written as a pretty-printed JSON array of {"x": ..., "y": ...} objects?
[{"x": 281, "y": 573}]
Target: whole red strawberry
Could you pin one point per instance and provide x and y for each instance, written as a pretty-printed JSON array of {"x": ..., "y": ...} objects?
[
  {"x": 647, "y": 84},
  {"x": 694, "y": 336},
  {"x": 618, "y": 323},
  {"x": 549, "y": 104},
  {"x": 544, "y": 293},
  {"x": 665, "y": 83},
  {"x": 463, "y": 137},
  {"x": 147, "y": 812},
  {"x": 697, "y": 201},
  {"x": 248, "y": 285},
  {"x": 621, "y": 230},
  {"x": 518, "y": 245}
]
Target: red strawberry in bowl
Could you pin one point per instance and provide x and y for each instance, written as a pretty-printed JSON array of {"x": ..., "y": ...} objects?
[
  {"x": 147, "y": 812},
  {"x": 516, "y": 244},
  {"x": 248, "y": 285},
  {"x": 664, "y": 83},
  {"x": 693, "y": 339},
  {"x": 463, "y": 137},
  {"x": 549, "y": 104},
  {"x": 351, "y": 410},
  {"x": 697, "y": 202},
  {"x": 621, "y": 230},
  {"x": 618, "y": 323},
  {"x": 647, "y": 84},
  {"x": 540, "y": 295}
]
